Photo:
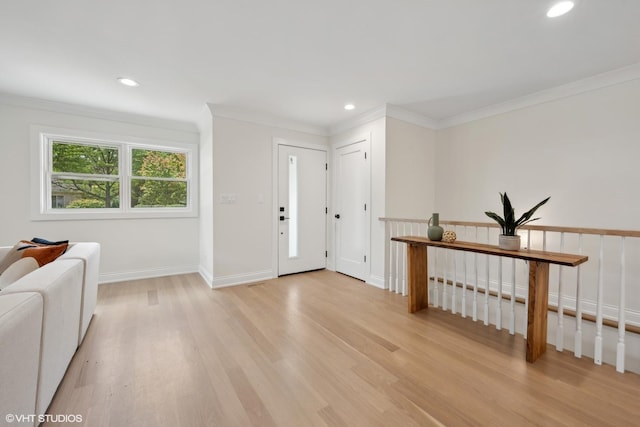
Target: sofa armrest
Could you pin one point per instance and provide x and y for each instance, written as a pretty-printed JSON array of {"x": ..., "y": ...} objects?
[
  {"x": 89, "y": 254},
  {"x": 20, "y": 335},
  {"x": 60, "y": 285}
]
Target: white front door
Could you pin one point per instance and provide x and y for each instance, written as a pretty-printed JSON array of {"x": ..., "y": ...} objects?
[
  {"x": 302, "y": 209},
  {"x": 352, "y": 209}
]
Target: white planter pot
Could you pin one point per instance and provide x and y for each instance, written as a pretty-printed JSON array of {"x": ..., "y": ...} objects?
[{"x": 509, "y": 243}]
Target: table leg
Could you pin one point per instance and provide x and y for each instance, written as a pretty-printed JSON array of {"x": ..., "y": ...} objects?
[
  {"x": 537, "y": 313},
  {"x": 417, "y": 277}
]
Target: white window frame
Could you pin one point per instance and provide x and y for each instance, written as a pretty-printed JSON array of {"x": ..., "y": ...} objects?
[{"x": 41, "y": 169}]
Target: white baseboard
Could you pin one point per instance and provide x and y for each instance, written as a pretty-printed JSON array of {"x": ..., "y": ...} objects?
[
  {"x": 206, "y": 275},
  {"x": 240, "y": 279},
  {"x": 377, "y": 281},
  {"x": 146, "y": 274}
]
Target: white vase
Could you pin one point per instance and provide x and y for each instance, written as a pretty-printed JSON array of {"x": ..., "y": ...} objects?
[{"x": 509, "y": 243}]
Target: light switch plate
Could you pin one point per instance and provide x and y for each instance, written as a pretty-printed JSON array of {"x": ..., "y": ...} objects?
[{"x": 228, "y": 198}]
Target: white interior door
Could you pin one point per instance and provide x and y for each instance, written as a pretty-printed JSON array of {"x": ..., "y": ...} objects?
[
  {"x": 302, "y": 209},
  {"x": 352, "y": 210}
]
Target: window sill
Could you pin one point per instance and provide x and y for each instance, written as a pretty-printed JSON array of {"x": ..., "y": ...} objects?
[{"x": 83, "y": 215}]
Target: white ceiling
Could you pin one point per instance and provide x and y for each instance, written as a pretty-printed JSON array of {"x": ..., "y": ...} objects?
[{"x": 304, "y": 59}]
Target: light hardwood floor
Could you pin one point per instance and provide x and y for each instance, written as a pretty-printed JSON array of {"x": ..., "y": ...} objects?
[{"x": 319, "y": 349}]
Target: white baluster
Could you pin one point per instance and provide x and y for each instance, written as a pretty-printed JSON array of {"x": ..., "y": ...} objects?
[
  {"x": 392, "y": 254},
  {"x": 401, "y": 250},
  {"x": 621, "y": 311},
  {"x": 475, "y": 283},
  {"x": 454, "y": 308},
  {"x": 499, "y": 313},
  {"x": 526, "y": 294},
  {"x": 597, "y": 352},
  {"x": 560, "y": 329},
  {"x": 512, "y": 321},
  {"x": 464, "y": 285},
  {"x": 394, "y": 261},
  {"x": 431, "y": 268},
  {"x": 404, "y": 263},
  {"x": 577, "y": 340},
  {"x": 387, "y": 253},
  {"x": 486, "y": 288},
  {"x": 445, "y": 296},
  {"x": 436, "y": 296}
]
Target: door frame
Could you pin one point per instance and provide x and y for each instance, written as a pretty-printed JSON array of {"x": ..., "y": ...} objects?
[
  {"x": 275, "y": 218},
  {"x": 366, "y": 138}
]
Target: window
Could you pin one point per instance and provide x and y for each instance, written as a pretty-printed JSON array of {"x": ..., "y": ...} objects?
[
  {"x": 84, "y": 175},
  {"x": 293, "y": 206},
  {"x": 158, "y": 179},
  {"x": 94, "y": 176}
]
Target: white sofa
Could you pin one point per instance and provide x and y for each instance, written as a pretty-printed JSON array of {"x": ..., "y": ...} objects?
[
  {"x": 89, "y": 254},
  {"x": 20, "y": 332},
  {"x": 67, "y": 288}
]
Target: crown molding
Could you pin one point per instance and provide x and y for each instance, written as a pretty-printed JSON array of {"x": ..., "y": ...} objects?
[
  {"x": 610, "y": 78},
  {"x": 410, "y": 117},
  {"x": 95, "y": 113},
  {"x": 386, "y": 110},
  {"x": 599, "y": 81},
  {"x": 263, "y": 118},
  {"x": 205, "y": 118},
  {"x": 358, "y": 120}
]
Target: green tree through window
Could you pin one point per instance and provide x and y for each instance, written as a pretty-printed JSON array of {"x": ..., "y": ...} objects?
[
  {"x": 158, "y": 179},
  {"x": 89, "y": 176},
  {"x": 86, "y": 176}
]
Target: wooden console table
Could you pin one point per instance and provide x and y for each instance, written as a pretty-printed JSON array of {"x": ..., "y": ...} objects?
[{"x": 418, "y": 279}]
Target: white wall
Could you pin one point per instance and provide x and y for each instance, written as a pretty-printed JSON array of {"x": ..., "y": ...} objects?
[
  {"x": 130, "y": 248},
  {"x": 242, "y": 167},
  {"x": 410, "y": 170},
  {"x": 581, "y": 150},
  {"x": 205, "y": 224}
]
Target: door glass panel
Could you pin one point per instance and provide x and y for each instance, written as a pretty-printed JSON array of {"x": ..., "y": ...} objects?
[{"x": 293, "y": 206}]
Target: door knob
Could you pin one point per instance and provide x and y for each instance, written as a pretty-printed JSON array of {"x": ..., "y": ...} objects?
[{"x": 337, "y": 216}]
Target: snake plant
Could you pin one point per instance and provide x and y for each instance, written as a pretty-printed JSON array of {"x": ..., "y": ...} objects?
[{"x": 509, "y": 224}]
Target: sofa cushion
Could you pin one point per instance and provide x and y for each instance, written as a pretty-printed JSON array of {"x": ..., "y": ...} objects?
[
  {"x": 17, "y": 270},
  {"x": 43, "y": 253},
  {"x": 42, "y": 241},
  {"x": 12, "y": 256}
]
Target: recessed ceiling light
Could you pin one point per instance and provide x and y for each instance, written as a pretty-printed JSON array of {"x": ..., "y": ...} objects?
[
  {"x": 560, "y": 9},
  {"x": 349, "y": 107},
  {"x": 128, "y": 82}
]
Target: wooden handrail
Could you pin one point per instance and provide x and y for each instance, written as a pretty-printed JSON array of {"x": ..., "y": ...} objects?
[{"x": 558, "y": 229}]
